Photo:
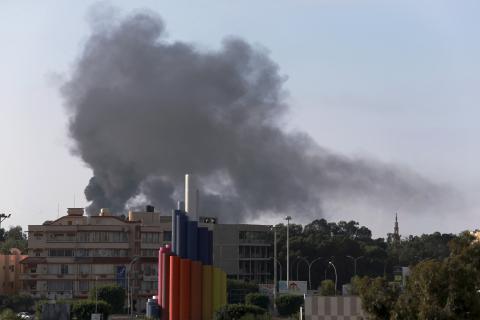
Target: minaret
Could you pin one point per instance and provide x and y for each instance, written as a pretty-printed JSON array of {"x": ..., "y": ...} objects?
[{"x": 396, "y": 233}]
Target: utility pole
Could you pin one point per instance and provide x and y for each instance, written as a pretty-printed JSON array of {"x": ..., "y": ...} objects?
[
  {"x": 96, "y": 294},
  {"x": 274, "y": 264},
  {"x": 129, "y": 288},
  {"x": 288, "y": 218},
  {"x": 355, "y": 263}
]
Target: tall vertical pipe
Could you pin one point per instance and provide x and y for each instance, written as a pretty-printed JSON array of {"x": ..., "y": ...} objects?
[
  {"x": 174, "y": 288},
  {"x": 181, "y": 235},
  {"x": 165, "y": 289},
  {"x": 192, "y": 237},
  {"x": 175, "y": 213},
  {"x": 191, "y": 197},
  {"x": 185, "y": 294},
  {"x": 196, "y": 290},
  {"x": 216, "y": 288},
  {"x": 203, "y": 244},
  {"x": 207, "y": 292}
]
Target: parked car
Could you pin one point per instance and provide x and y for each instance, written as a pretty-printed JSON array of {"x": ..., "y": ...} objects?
[{"x": 25, "y": 316}]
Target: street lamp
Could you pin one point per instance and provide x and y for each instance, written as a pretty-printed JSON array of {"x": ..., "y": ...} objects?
[
  {"x": 280, "y": 265},
  {"x": 96, "y": 294},
  {"x": 355, "y": 263},
  {"x": 298, "y": 264},
  {"x": 309, "y": 264},
  {"x": 4, "y": 216},
  {"x": 129, "y": 289},
  {"x": 336, "y": 277},
  {"x": 288, "y": 218}
]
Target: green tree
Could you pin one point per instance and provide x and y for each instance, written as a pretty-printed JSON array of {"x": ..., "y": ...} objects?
[
  {"x": 378, "y": 297},
  {"x": 327, "y": 288},
  {"x": 14, "y": 238},
  {"x": 114, "y": 295},
  {"x": 258, "y": 299},
  {"x": 83, "y": 309},
  {"x": 8, "y": 314}
]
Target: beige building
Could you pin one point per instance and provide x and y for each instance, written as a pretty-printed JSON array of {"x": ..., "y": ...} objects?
[
  {"x": 10, "y": 270},
  {"x": 69, "y": 256}
]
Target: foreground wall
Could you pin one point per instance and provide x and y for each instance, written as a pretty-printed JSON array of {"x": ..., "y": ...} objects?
[{"x": 333, "y": 308}]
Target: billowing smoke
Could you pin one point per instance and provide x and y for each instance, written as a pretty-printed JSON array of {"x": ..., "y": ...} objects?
[{"x": 144, "y": 111}]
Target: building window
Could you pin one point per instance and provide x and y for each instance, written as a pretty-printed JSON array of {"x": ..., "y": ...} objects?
[
  {"x": 257, "y": 237},
  {"x": 150, "y": 237},
  {"x": 85, "y": 268},
  {"x": 64, "y": 269},
  {"x": 53, "y": 269},
  {"x": 103, "y": 269},
  {"x": 149, "y": 253},
  {"x": 83, "y": 285},
  {"x": 59, "y": 285},
  {"x": 60, "y": 253}
]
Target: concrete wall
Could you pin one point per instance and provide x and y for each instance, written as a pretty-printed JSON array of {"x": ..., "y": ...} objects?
[{"x": 333, "y": 308}]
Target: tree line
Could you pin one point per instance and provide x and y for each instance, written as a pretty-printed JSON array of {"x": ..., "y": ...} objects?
[{"x": 345, "y": 243}]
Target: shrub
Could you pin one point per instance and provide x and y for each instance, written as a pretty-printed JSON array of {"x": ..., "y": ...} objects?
[
  {"x": 8, "y": 314},
  {"x": 17, "y": 302},
  {"x": 238, "y": 289},
  {"x": 327, "y": 288},
  {"x": 289, "y": 304},
  {"x": 238, "y": 311},
  {"x": 39, "y": 304},
  {"x": 83, "y": 309},
  {"x": 258, "y": 299},
  {"x": 114, "y": 295}
]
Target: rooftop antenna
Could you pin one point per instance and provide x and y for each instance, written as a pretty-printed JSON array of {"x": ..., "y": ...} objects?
[
  {"x": 58, "y": 209},
  {"x": 74, "y": 200},
  {"x": 4, "y": 216}
]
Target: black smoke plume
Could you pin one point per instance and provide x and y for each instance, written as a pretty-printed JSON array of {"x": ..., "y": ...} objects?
[{"x": 144, "y": 111}]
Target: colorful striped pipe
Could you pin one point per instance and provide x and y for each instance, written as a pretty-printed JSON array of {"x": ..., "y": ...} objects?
[
  {"x": 185, "y": 294},
  {"x": 196, "y": 276},
  {"x": 207, "y": 293},
  {"x": 174, "y": 297}
]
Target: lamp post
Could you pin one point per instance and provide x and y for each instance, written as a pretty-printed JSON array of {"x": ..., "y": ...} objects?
[
  {"x": 274, "y": 264},
  {"x": 355, "y": 263},
  {"x": 309, "y": 264},
  {"x": 129, "y": 289},
  {"x": 336, "y": 277},
  {"x": 288, "y": 218},
  {"x": 298, "y": 264},
  {"x": 96, "y": 294},
  {"x": 280, "y": 265},
  {"x": 4, "y": 216}
]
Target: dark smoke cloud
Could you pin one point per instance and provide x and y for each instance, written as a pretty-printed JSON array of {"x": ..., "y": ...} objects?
[{"x": 144, "y": 111}]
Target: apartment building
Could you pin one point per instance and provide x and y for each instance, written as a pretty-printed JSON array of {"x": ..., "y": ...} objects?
[
  {"x": 71, "y": 255},
  {"x": 10, "y": 269}
]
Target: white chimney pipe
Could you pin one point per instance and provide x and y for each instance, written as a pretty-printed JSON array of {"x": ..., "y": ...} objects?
[{"x": 191, "y": 197}]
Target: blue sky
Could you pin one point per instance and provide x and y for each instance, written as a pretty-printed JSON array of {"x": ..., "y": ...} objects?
[{"x": 394, "y": 81}]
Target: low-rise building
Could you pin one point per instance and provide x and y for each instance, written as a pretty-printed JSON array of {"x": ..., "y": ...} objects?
[
  {"x": 10, "y": 270},
  {"x": 71, "y": 255}
]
